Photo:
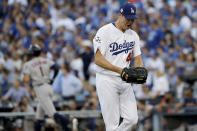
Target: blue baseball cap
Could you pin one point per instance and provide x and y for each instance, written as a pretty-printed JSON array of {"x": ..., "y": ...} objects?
[{"x": 128, "y": 10}]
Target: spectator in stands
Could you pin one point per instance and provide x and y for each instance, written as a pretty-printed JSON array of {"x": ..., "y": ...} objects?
[
  {"x": 86, "y": 56},
  {"x": 188, "y": 101},
  {"x": 72, "y": 105},
  {"x": 28, "y": 124},
  {"x": 172, "y": 55},
  {"x": 190, "y": 66},
  {"x": 91, "y": 89},
  {"x": 172, "y": 77},
  {"x": 142, "y": 91},
  {"x": 176, "y": 28},
  {"x": 87, "y": 93},
  {"x": 179, "y": 88},
  {"x": 67, "y": 84},
  {"x": 26, "y": 102},
  {"x": 68, "y": 52},
  {"x": 4, "y": 80},
  {"x": 50, "y": 125},
  {"x": 185, "y": 21},
  {"x": 194, "y": 29},
  {"x": 16, "y": 93},
  {"x": 3, "y": 44},
  {"x": 91, "y": 104},
  {"x": 91, "y": 96},
  {"x": 17, "y": 62},
  {"x": 160, "y": 85},
  {"x": 92, "y": 73},
  {"x": 195, "y": 51},
  {"x": 65, "y": 21},
  {"x": 167, "y": 104},
  {"x": 145, "y": 115},
  {"x": 152, "y": 64},
  {"x": 77, "y": 65},
  {"x": 180, "y": 63},
  {"x": 9, "y": 65},
  {"x": 163, "y": 55},
  {"x": 155, "y": 35}
]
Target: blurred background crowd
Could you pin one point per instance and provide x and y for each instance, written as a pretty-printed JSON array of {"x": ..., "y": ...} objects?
[{"x": 65, "y": 29}]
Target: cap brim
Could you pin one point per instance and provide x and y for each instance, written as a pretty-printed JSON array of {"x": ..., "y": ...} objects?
[{"x": 131, "y": 17}]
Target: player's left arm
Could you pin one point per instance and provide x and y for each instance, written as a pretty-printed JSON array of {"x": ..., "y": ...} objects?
[
  {"x": 55, "y": 68},
  {"x": 138, "y": 61}
]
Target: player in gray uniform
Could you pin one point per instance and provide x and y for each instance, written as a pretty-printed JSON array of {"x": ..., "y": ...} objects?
[{"x": 37, "y": 71}]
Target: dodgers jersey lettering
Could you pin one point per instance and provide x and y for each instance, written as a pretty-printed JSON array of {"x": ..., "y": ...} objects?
[
  {"x": 116, "y": 46},
  {"x": 39, "y": 69}
]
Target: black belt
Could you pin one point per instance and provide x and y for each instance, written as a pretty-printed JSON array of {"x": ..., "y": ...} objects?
[
  {"x": 39, "y": 84},
  {"x": 68, "y": 97}
]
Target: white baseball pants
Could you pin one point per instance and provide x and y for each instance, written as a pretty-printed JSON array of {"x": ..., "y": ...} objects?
[{"x": 116, "y": 100}]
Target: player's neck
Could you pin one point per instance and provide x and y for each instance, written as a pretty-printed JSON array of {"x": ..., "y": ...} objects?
[{"x": 118, "y": 26}]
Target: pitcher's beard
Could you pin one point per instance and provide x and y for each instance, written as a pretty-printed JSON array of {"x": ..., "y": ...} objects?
[{"x": 129, "y": 26}]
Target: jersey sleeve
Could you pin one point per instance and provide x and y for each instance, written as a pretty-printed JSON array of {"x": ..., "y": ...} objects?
[
  {"x": 26, "y": 69},
  {"x": 137, "y": 50},
  {"x": 99, "y": 41}
]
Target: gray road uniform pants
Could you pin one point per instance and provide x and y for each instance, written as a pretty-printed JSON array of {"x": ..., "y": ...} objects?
[{"x": 44, "y": 93}]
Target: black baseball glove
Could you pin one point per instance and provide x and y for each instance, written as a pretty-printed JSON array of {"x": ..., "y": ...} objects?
[{"x": 136, "y": 75}]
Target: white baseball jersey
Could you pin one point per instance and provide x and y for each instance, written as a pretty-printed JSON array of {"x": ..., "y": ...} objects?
[
  {"x": 39, "y": 69},
  {"x": 116, "y": 46}
]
